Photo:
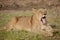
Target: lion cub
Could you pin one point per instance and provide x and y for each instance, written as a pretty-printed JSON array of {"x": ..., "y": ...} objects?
[{"x": 36, "y": 23}]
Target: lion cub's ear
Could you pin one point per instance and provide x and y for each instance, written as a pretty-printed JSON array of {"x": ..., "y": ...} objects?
[{"x": 34, "y": 10}]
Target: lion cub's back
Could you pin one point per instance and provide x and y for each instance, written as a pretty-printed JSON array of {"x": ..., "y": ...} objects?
[{"x": 23, "y": 22}]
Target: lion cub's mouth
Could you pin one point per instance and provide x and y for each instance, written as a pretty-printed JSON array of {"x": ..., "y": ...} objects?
[{"x": 43, "y": 19}]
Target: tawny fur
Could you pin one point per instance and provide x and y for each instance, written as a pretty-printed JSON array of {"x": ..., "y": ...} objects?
[{"x": 31, "y": 23}]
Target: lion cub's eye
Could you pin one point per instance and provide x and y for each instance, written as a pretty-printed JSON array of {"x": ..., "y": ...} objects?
[{"x": 45, "y": 14}]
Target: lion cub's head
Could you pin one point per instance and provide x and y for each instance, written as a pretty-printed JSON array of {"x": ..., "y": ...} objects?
[{"x": 40, "y": 14}]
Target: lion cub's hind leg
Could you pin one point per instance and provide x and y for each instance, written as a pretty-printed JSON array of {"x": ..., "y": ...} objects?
[{"x": 11, "y": 23}]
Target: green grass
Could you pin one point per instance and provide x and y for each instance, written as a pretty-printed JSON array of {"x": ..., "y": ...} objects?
[
  {"x": 21, "y": 35},
  {"x": 24, "y": 35}
]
